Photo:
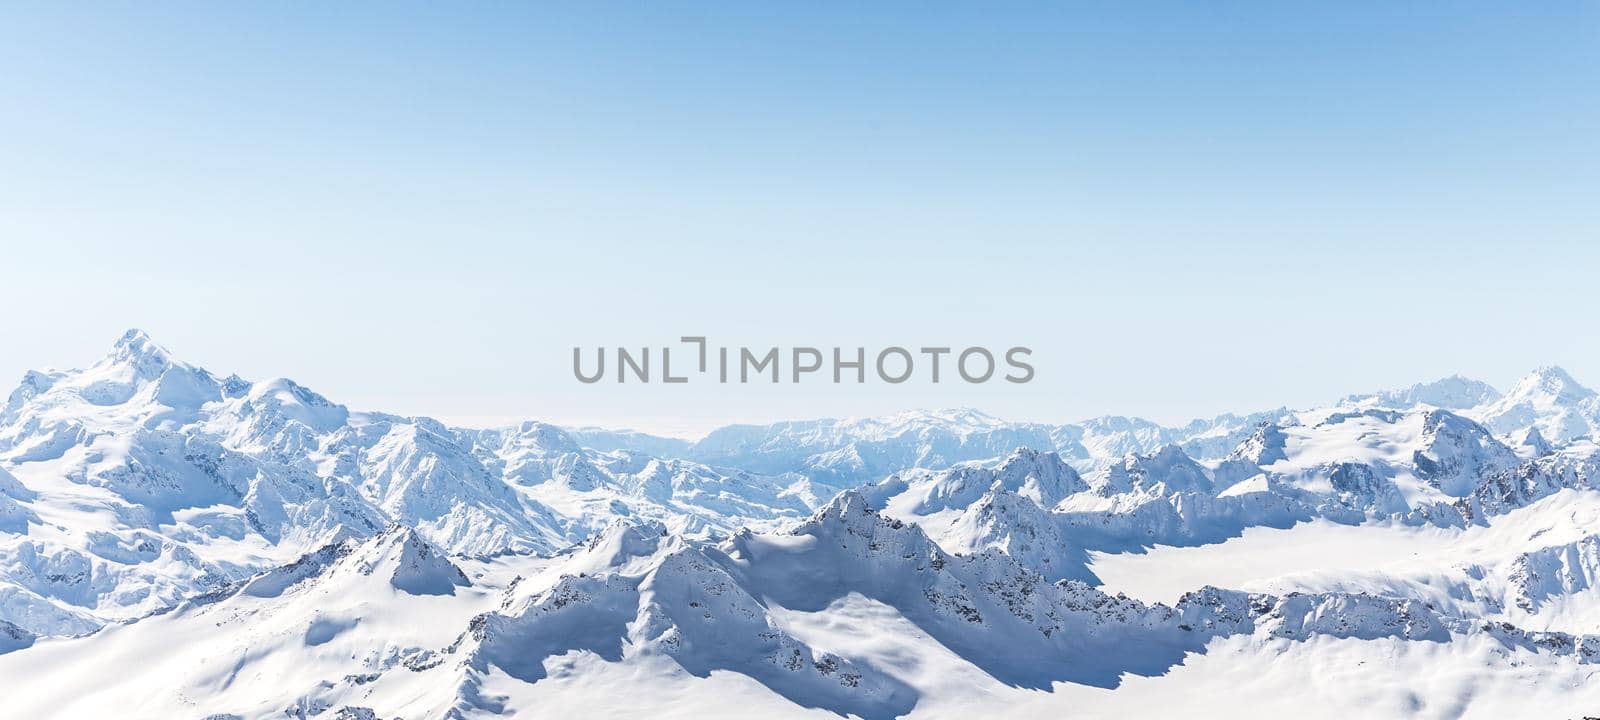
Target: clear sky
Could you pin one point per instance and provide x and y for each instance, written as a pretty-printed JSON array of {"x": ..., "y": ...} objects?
[{"x": 1184, "y": 208}]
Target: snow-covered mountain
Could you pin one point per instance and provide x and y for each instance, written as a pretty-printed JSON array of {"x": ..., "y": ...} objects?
[
  {"x": 174, "y": 542},
  {"x": 848, "y": 612},
  {"x": 141, "y": 480},
  {"x": 1547, "y": 400},
  {"x": 1451, "y": 393}
]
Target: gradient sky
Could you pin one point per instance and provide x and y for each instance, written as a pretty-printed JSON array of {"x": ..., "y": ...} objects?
[{"x": 1184, "y": 208}]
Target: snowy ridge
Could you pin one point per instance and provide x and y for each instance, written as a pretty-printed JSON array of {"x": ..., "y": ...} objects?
[{"x": 1451, "y": 393}]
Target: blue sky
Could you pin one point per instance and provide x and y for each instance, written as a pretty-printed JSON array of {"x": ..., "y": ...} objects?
[{"x": 1184, "y": 208}]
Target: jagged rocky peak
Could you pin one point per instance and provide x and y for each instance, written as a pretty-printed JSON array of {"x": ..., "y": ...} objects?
[
  {"x": 1040, "y": 476},
  {"x": 420, "y": 568},
  {"x": 848, "y": 515},
  {"x": 1166, "y": 470},
  {"x": 621, "y": 542},
  {"x": 1020, "y": 528},
  {"x": 234, "y": 386},
  {"x": 398, "y": 555},
  {"x": 411, "y": 564},
  {"x": 1264, "y": 447},
  {"x": 1530, "y": 443},
  {"x": 138, "y": 351},
  {"x": 848, "y": 508}
]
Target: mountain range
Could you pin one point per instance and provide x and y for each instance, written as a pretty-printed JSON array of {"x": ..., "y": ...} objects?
[{"x": 179, "y": 543}]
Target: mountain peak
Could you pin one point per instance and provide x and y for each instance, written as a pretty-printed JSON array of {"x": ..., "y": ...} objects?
[
  {"x": 846, "y": 503},
  {"x": 1529, "y": 442},
  {"x": 1553, "y": 373},
  {"x": 1039, "y": 476},
  {"x": 1554, "y": 381},
  {"x": 416, "y": 566},
  {"x": 849, "y": 510},
  {"x": 1023, "y": 453},
  {"x": 134, "y": 335},
  {"x": 135, "y": 348},
  {"x": 1548, "y": 398}
]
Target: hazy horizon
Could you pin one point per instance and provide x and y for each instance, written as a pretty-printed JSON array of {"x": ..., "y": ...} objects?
[
  {"x": 697, "y": 430},
  {"x": 1184, "y": 209}
]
